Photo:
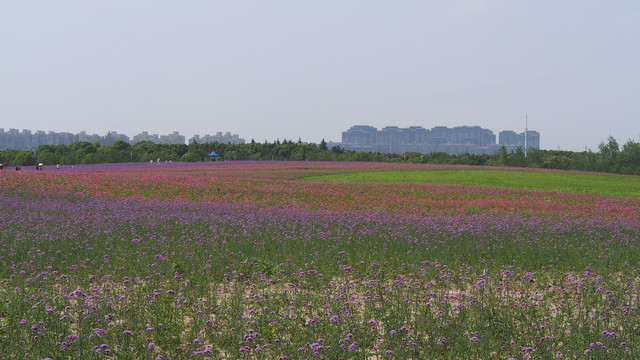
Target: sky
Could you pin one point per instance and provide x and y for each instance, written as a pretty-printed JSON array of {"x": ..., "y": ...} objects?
[{"x": 310, "y": 70}]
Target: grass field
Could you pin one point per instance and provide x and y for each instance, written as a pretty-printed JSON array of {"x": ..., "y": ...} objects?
[
  {"x": 247, "y": 261},
  {"x": 600, "y": 184}
]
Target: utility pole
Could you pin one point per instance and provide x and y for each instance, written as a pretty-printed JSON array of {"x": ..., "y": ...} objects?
[{"x": 526, "y": 130}]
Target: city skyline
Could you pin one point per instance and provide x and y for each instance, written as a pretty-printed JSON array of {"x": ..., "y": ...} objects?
[
  {"x": 286, "y": 69},
  {"x": 455, "y": 141},
  {"x": 27, "y": 139},
  {"x": 365, "y": 138},
  {"x": 233, "y": 138}
]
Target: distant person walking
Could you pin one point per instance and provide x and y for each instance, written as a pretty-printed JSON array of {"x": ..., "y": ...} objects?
[{"x": 1, "y": 167}]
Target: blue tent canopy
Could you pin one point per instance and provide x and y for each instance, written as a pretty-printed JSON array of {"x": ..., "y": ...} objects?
[{"x": 213, "y": 153}]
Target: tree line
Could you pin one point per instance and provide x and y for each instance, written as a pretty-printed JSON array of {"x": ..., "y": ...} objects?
[{"x": 611, "y": 157}]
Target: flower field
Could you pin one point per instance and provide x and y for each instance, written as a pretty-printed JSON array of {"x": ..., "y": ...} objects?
[{"x": 245, "y": 261}]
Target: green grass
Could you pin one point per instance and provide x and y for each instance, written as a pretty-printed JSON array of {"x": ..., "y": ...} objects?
[{"x": 600, "y": 184}]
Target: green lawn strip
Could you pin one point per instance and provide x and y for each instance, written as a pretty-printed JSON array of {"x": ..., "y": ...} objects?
[{"x": 600, "y": 184}]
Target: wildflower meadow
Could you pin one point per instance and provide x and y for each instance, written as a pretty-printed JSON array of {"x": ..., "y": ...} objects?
[{"x": 262, "y": 260}]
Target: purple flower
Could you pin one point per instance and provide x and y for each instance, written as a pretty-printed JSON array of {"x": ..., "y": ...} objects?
[
  {"x": 127, "y": 332},
  {"x": 151, "y": 345}
]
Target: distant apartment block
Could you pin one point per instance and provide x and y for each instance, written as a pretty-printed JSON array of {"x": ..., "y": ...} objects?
[
  {"x": 457, "y": 140},
  {"x": 225, "y": 138},
  {"x": 144, "y": 136},
  {"x": 112, "y": 137},
  {"x": 511, "y": 140},
  {"x": 173, "y": 138},
  {"x": 26, "y": 140},
  {"x": 91, "y": 138}
]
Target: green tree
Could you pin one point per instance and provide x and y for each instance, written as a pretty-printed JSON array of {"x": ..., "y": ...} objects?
[
  {"x": 557, "y": 162},
  {"x": 120, "y": 145},
  {"x": 79, "y": 150},
  {"x": 630, "y": 158},
  {"x": 609, "y": 155},
  {"x": 535, "y": 157},
  {"x": 7, "y": 156},
  {"x": 504, "y": 156},
  {"x": 24, "y": 157},
  {"x": 47, "y": 157},
  {"x": 145, "y": 151},
  {"x": 231, "y": 155},
  {"x": 437, "y": 158},
  {"x": 517, "y": 158},
  {"x": 190, "y": 157}
]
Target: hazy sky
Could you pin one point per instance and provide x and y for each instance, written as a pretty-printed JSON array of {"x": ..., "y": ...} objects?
[{"x": 312, "y": 69}]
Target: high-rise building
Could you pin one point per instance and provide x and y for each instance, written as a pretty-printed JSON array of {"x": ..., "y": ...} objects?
[
  {"x": 457, "y": 140},
  {"x": 144, "y": 136},
  {"x": 226, "y": 138},
  {"x": 173, "y": 138},
  {"x": 512, "y": 140},
  {"x": 360, "y": 137}
]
